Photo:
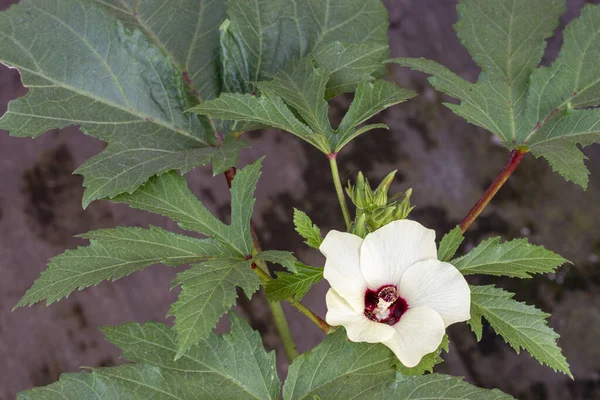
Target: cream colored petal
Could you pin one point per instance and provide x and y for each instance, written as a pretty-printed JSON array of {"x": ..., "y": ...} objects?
[
  {"x": 342, "y": 269},
  {"x": 358, "y": 327},
  {"x": 386, "y": 253},
  {"x": 419, "y": 332},
  {"x": 440, "y": 286}
]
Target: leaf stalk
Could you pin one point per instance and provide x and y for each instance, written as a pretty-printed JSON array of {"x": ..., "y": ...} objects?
[{"x": 515, "y": 158}]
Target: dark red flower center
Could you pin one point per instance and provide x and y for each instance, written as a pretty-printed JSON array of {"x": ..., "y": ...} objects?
[{"x": 384, "y": 305}]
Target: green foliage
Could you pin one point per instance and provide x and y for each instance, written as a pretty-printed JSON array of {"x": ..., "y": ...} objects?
[
  {"x": 233, "y": 366},
  {"x": 306, "y": 229},
  {"x": 350, "y": 64},
  {"x": 294, "y": 101},
  {"x": 113, "y": 254},
  {"x": 208, "y": 292},
  {"x": 450, "y": 244},
  {"x": 516, "y": 258},
  {"x": 129, "y": 73},
  {"x": 265, "y": 34},
  {"x": 169, "y": 195},
  {"x": 191, "y": 44},
  {"x": 539, "y": 109},
  {"x": 302, "y": 86},
  {"x": 370, "y": 99},
  {"x": 521, "y": 325},
  {"x": 95, "y": 82},
  {"x": 295, "y": 284},
  {"x": 340, "y": 369},
  {"x": 427, "y": 363},
  {"x": 284, "y": 258}
]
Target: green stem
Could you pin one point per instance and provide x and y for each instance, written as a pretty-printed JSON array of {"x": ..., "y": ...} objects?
[
  {"x": 338, "y": 188},
  {"x": 320, "y": 322},
  {"x": 283, "y": 328},
  {"x": 284, "y": 331}
]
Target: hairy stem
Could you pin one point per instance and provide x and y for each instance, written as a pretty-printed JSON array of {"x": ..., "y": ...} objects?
[
  {"x": 515, "y": 158},
  {"x": 338, "y": 188}
]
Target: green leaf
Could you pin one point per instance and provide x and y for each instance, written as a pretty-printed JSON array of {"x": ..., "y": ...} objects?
[
  {"x": 438, "y": 387},
  {"x": 306, "y": 229},
  {"x": 450, "y": 244},
  {"x": 242, "y": 205},
  {"x": 231, "y": 366},
  {"x": 208, "y": 292},
  {"x": 191, "y": 44},
  {"x": 269, "y": 110},
  {"x": 521, "y": 325},
  {"x": 338, "y": 369},
  {"x": 370, "y": 99},
  {"x": 297, "y": 284},
  {"x": 516, "y": 258},
  {"x": 136, "y": 382},
  {"x": 506, "y": 39},
  {"x": 569, "y": 81},
  {"x": 226, "y": 156},
  {"x": 350, "y": 64},
  {"x": 169, "y": 195},
  {"x": 427, "y": 363},
  {"x": 557, "y": 139},
  {"x": 533, "y": 108},
  {"x": 283, "y": 258},
  {"x": 113, "y": 254},
  {"x": 268, "y": 33},
  {"x": 108, "y": 80},
  {"x": 302, "y": 86}
]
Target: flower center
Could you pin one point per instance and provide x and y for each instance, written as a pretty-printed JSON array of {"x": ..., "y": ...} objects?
[{"x": 384, "y": 305}]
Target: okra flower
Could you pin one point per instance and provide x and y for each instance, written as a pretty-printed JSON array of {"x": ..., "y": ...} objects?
[{"x": 391, "y": 288}]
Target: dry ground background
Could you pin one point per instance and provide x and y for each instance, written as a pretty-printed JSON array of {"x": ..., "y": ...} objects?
[{"x": 447, "y": 162}]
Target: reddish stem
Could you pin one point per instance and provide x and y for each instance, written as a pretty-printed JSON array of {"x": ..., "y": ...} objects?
[{"x": 515, "y": 158}]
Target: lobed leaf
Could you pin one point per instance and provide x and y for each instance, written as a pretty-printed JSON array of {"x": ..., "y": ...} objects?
[
  {"x": 339, "y": 369},
  {"x": 169, "y": 195},
  {"x": 113, "y": 254},
  {"x": 371, "y": 98},
  {"x": 521, "y": 325},
  {"x": 191, "y": 44},
  {"x": 111, "y": 82},
  {"x": 349, "y": 64},
  {"x": 208, "y": 292},
  {"x": 450, "y": 244},
  {"x": 269, "y": 110},
  {"x": 295, "y": 284},
  {"x": 284, "y": 258},
  {"x": 264, "y": 34},
  {"x": 541, "y": 109},
  {"x": 302, "y": 86},
  {"x": 516, "y": 258},
  {"x": 306, "y": 229},
  {"x": 233, "y": 366}
]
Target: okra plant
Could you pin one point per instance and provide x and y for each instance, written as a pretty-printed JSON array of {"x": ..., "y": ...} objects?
[{"x": 173, "y": 85}]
